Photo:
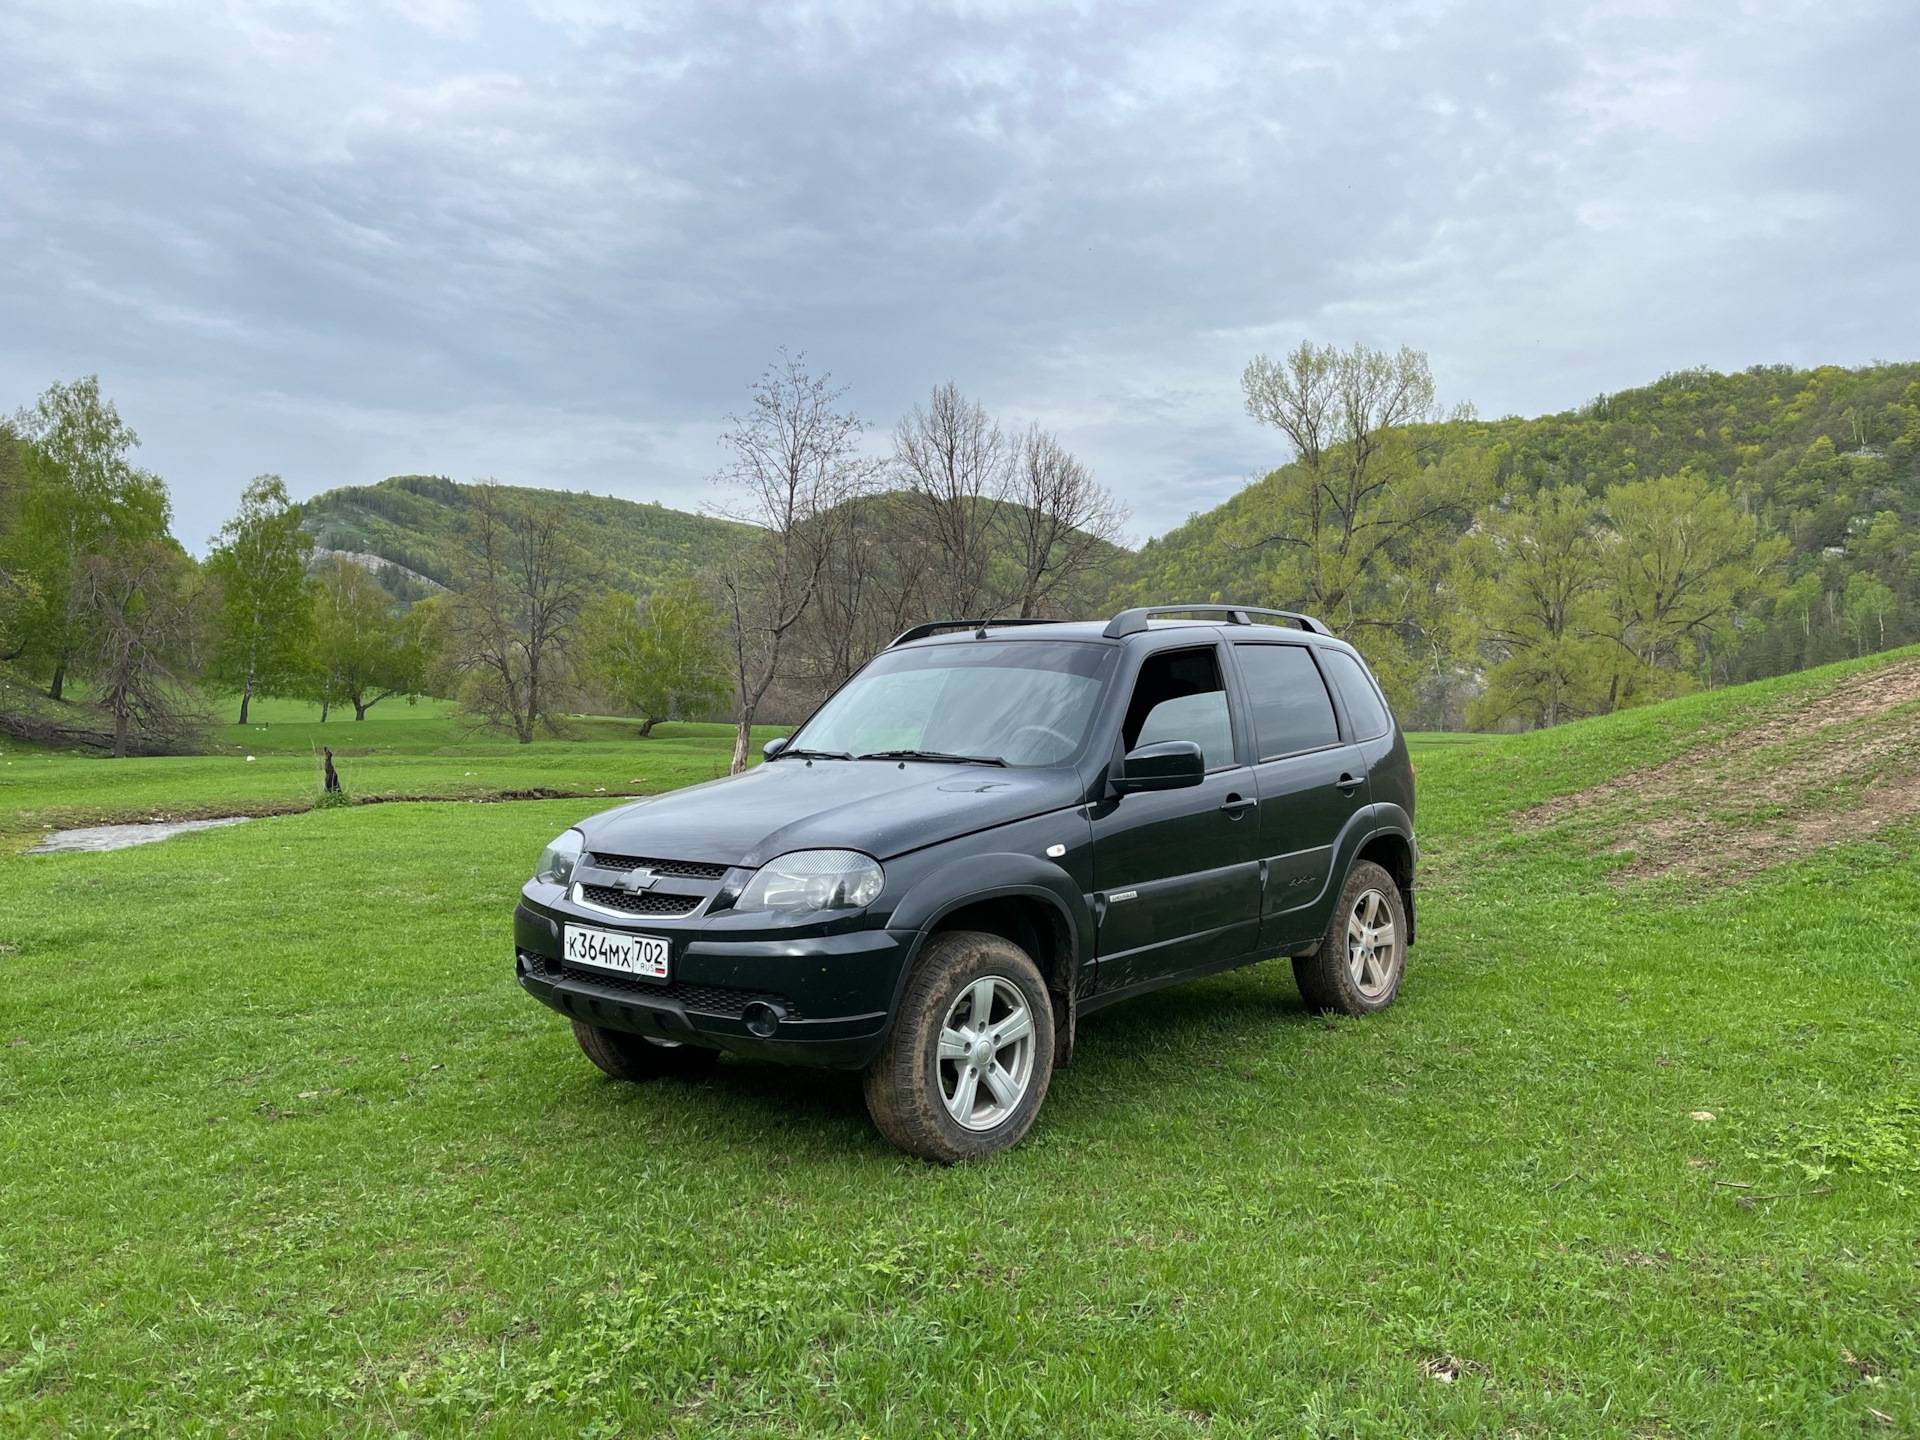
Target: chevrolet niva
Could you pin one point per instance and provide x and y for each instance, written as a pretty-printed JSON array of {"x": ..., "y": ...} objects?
[{"x": 993, "y": 829}]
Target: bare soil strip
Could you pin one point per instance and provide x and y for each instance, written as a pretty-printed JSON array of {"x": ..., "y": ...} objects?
[{"x": 1839, "y": 766}]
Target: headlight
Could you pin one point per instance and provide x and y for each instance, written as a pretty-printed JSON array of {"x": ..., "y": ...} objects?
[
  {"x": 809, "y": 880},
  {"x": 559, "y": 858}
]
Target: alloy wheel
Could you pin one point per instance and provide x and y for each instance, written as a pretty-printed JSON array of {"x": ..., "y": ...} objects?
[
  {"x": 986, "y": 1053},
  {"x": 1373, "y": 944}
]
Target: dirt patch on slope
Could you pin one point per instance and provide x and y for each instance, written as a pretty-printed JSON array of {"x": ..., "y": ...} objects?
[{"x": 1837, "y": 766}]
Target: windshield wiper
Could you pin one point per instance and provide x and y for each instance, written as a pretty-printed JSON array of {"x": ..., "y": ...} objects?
[
  {"x": 813, "y": 755},
  {"x": 935, "y": 755}
]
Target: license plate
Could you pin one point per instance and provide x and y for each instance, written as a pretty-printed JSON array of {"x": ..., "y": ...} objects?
[{"x": 610, "y": 950}]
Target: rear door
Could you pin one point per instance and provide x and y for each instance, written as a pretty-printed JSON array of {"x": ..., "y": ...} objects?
[
  {"x": 1310, "y": 780},
  {"x": 1177, "y": 872}
]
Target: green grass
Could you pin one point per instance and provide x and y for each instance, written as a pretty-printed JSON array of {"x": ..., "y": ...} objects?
[
  {"x": 398, "y": 751},
  {"x": 283, "y": 1150}
]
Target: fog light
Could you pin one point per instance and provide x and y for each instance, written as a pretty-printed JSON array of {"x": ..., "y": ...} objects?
[{"x": 762, "y": 1019}]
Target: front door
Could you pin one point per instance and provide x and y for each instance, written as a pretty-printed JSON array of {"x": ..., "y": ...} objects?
[
  {"x": 1177, "y": 872},
  {"x": 1310, "y": 782}
]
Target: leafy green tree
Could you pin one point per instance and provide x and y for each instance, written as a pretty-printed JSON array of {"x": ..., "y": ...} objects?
[
  {"x": 16, "y": 587},
  {"x": 1358, "y": 530},
  {"x": 266, "y": 615},
  {"x": 362, "y": 652},
  {"x": 1540, "y": 609},
  {"x": 1678, "y": 563},
  {"x": 663, "y": 658},
  {"x": 81, "y": 497},
  {"x": 1868, "y": 603}
]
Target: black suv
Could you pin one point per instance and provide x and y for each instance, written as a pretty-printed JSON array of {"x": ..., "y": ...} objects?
[{"x": 990, "y": 830}]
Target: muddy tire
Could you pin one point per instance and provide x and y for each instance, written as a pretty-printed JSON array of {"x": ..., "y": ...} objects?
[
  {"x": 635, "y": 1057},
  {"x": 964, "y": 1071},
  {"x": 1357, "y": 969}
]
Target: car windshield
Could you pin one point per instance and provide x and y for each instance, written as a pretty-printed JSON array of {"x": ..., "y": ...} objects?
[{"x": 1021, "y": 703}]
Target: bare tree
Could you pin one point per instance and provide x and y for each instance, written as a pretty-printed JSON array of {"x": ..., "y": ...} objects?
[
  {"x": 794, "y": 459},
  {"x": 522, "y": 585},
  {"x": 851, "y": 550},
  {"x": 142, "y": 615},
  {"x": 872, "y": 586},
  {"x": 1063, "y": 523},
  {"x": 957, "y": 464}
]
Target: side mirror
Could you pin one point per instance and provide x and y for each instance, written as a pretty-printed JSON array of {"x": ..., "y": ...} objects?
[
  {"x": 773, "y": 747},
  {"x": 1167, "y": 765}
]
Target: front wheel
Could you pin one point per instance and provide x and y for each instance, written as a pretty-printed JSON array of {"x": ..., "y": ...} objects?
[
  {"x": 635, "y": 1057},
  {"x": 966, "y": 1066},
  {"x": 1357, "y": 969}
]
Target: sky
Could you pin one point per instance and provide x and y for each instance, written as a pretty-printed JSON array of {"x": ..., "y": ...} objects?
[{"x": 554, "y": 243}]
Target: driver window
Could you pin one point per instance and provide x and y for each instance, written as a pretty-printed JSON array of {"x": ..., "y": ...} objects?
[{"x": 1179, "y": 696}]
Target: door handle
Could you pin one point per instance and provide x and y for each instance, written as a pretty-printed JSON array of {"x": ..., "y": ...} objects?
[
  {"x": 1237, "y": 805},
  {"x": 1349, "y": 782}
]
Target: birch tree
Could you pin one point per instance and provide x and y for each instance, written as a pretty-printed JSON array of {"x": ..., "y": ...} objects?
[{"x": 259, "y": 560}]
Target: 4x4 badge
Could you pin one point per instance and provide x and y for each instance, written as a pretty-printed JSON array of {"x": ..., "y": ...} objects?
[{"x": 639, "y": 878}]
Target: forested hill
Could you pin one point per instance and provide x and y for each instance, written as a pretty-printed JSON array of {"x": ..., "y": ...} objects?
[
  {"x": 415, "y": 521},
  {"x": 1826, "y": 462}
]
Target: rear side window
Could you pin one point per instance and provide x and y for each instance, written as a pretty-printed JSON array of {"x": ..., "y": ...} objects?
[
  {"x": 1364, "y": 706},
  {"x": 1291, "y": 709}
]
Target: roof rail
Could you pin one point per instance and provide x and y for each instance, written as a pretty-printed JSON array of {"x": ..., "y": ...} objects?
[
  {"x": 934, "y": 627},
  {"x": 1132, "y": 622}
]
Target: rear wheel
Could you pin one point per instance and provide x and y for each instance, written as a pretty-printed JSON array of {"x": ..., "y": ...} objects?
[
  {"x": 1357, "y": 969},
  {"x": 964, "y": 1071},
  {"x": 635, "y": 1057}
]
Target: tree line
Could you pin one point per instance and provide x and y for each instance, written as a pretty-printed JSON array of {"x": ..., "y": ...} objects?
[
  {"x": 113, "y": 635},
  {"x": 1515, "y": 573},
  {"x": 1497, "y": 574},
  {"x": 96, "y": 593}
]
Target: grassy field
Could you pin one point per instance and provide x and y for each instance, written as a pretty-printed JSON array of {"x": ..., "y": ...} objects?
[
  {"x": 283, "y": 1150},
  {"x": 272, "y": 766}
]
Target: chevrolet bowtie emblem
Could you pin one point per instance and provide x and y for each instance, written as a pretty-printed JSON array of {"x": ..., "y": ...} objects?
[{"x": 640, "y": 878}]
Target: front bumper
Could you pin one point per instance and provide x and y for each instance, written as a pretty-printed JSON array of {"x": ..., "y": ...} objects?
[{"x": 832, "y": 993}]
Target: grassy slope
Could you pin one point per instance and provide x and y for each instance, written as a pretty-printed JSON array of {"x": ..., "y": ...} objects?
[
  {"x": 299, "y": 1158},
  {"x": 415, "y": 521},
  {"x": 1742, "y": 430}
]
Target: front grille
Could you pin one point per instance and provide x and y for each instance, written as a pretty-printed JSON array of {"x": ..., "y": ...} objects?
[
  {"x": 701, "y": 999},
  {"x": 678, "y": 869},
  {"x": 643, "y": 902}
]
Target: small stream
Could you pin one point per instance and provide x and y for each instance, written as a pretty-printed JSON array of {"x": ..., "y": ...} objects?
[{"x": 119, "y": 837}]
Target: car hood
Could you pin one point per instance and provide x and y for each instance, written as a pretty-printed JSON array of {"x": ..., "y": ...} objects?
[{"x": 880, "y": 807}]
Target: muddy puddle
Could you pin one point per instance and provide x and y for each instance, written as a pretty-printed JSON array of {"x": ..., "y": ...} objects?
[{"x": 120, "y": 837}]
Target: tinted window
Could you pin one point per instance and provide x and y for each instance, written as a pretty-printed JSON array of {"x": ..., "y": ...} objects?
[
  {"x": 1199, "y": 718},
  {"x": 1178, "y": 696},
  {"x": 1364, "y": 707},
  {"x": 1291, "y": 708},
  {"x": 1026, "y": 702}
]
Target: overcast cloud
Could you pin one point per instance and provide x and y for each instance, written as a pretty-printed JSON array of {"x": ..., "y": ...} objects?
[{"x": 554, "y": 242}]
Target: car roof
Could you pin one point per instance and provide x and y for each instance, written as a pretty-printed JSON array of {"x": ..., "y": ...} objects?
[{"x": 1094, "y": 630}]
